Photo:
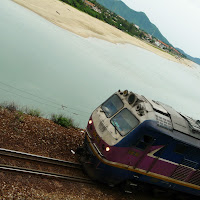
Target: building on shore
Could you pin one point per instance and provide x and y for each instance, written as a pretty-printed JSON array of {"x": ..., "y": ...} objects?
[{"x": 91, "y": 5}]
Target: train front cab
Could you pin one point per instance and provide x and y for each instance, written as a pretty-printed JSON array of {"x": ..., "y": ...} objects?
[{"x": 108, "y": 124}]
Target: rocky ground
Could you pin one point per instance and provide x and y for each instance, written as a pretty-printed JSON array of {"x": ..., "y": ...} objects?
[{"x": 22, "y": 132}]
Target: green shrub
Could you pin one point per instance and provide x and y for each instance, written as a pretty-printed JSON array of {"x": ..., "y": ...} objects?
[
  {"x": 62, "y": 120},
  {"x": 10, "y": 106},
  {"x": 19, "y": 116},
  {"x": 34, "y": 112}
]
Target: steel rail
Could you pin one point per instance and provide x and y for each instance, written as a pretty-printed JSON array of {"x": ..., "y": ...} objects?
[
  {"x": 33, "y": 157},
  {"x": 44, "y": 173}
]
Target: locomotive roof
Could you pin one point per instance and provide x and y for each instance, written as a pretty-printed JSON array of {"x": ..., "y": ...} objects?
[{"x": 170, "y": 119}]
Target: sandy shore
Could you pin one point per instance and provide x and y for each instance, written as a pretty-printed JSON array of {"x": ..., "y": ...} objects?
[{"x": 84, "y": 25}]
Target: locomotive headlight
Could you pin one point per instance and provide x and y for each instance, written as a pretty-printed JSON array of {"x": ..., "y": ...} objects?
[
  {"x": 125, "y": 93},
  {"x": 90, "y": 122},
  {"x": 107, "y": 149}
]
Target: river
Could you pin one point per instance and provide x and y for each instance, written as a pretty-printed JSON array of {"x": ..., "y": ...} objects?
[{"x": 44, "y": 66}]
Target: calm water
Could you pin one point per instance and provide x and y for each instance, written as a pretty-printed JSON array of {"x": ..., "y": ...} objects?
[{"x": 43, "y": 66}]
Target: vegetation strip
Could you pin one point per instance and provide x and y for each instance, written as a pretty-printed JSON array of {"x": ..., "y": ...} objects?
[
  {"x": 59, "y": 119},
  {"x": 93, "y": 8},
  {"x": 44, "y": 173},
  {"x": 43, "y": 159}
]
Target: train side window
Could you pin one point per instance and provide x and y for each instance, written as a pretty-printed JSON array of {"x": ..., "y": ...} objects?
[
  {"x": 180, "y": 148},
  {"x": 144, "y": 142}
]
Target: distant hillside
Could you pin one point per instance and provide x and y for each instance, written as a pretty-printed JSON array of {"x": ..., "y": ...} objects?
[
  {"x": 138, "y": 18},
  {"x": 196, "y": 60}
]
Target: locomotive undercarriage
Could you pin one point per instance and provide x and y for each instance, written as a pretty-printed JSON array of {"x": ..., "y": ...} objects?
[{"x": 91, "y": 165}]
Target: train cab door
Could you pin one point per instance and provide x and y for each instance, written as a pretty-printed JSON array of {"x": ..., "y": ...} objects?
[{"x": 140, "y": 150}]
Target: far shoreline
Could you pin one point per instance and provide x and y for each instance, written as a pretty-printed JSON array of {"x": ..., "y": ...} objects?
[{"x": 84, "y": 25}]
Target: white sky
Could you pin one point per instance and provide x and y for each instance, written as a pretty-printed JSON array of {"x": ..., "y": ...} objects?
[{"x": 177, "y": 20}]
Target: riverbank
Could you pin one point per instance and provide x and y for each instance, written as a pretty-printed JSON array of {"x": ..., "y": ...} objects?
[{"x": 82, "y": 24}]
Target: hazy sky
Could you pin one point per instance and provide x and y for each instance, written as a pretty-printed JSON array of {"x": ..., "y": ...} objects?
[{"x": 177, "y": 20}]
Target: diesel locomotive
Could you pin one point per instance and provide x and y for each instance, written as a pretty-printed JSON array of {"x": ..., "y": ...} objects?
[{"x": 133, "y": 140}]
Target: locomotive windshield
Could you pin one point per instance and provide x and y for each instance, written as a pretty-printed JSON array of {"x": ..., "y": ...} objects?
[
  {"x": 124, "y": 122},
  {"x": 112, "y": 106}
]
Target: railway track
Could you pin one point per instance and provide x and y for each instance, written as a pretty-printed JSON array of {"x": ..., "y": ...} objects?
[
  {"x": 44, "y": 173},
  {"x": 41, "y": 160}
]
